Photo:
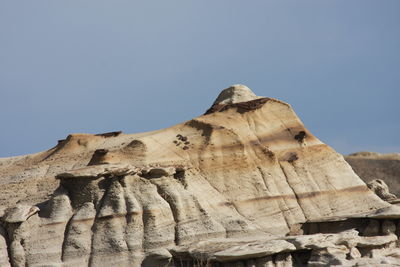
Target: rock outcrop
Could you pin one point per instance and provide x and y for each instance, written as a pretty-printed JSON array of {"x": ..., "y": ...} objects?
[
  {"x": 371, "y": 166},
  {"x": 246, "y": 183},
  {"x": 380, "y": 188}
]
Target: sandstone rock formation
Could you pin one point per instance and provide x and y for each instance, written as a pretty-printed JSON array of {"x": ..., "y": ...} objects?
[
  {"x": 370, "y": 166},
  {"x": 380, "y": 188},
  {"x": 246, "y": 184}
]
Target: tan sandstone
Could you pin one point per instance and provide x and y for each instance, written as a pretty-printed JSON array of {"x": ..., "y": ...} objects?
[{"x": 244, "y": 184}]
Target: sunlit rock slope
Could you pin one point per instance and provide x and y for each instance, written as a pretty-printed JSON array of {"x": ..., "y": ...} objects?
[{"x": 246, "y": 172}]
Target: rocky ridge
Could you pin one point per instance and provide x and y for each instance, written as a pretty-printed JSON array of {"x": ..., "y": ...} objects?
[{"x": 244, "y": 184}]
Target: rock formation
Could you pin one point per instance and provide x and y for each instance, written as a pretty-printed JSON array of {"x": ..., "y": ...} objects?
[
  {"x": 380, "y": 188},
  {"x": 371, "y": 166},
  {"x": 245, "y": 184}
]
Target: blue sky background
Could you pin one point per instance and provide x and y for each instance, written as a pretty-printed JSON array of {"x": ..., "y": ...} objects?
[{"x": 96, "y": 66}]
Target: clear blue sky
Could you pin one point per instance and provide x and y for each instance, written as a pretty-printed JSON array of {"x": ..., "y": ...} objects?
[{"x": 96, "y": 66}]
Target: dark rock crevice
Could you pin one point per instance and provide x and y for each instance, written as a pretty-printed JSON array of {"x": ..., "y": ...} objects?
[
  {"x": 242, "y": 107},
  {"x": 5, "y": 235}
]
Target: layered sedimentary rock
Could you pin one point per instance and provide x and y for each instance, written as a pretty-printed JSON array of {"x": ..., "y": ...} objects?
[
  {"x": 371, "y": 166},
  {"x": 380, "y": 188},
  {"x": 245, "y": 183}
]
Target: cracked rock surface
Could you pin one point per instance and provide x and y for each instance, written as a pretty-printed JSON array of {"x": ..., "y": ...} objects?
[{"x": 246, "y": 184}]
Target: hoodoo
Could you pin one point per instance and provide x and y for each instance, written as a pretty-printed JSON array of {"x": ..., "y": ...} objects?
[{"x": 246, "y": 183}]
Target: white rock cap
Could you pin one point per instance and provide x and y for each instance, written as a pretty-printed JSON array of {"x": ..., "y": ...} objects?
[{"x": 235, "y": 94}]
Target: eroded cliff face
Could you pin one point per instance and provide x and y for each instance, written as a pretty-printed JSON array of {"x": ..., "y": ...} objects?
[{"x": 245, "y": 183}]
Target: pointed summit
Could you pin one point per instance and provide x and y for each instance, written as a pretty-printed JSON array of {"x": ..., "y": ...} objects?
[{"x": 235, "y": 94}]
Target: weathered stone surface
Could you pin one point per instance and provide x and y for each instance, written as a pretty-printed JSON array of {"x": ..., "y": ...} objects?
[
  {"x": 97, "y": 171},
  {"x": 235, "y": 94},
  {"x": 341, "y": 249},
  {"x": 254, "y": 250},
  {"x": 19, "y": 213},
  {"x": 226, "y": 188},
  {"x": 380, "y": 188},
  {"x": 371, "y": 166}
]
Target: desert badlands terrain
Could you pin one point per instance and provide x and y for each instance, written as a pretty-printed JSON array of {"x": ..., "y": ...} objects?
[{"x": 245, "y": 184}]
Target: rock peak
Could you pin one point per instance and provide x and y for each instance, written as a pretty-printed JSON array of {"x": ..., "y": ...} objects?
[{"x": 234, "y": 94}]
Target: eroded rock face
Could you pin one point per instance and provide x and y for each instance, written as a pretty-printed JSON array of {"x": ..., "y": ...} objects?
[
  {"x": 19, "y": 213},
  {"x": 228, "y": 186},
  {"x": 235, "y": 94},
  {"x": 346, "y": 248},
  {"x": 371, "y": 166},
  {"x": 380, "y": 188}
]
